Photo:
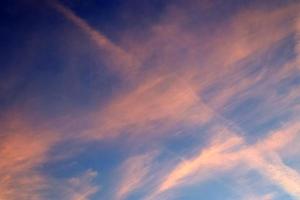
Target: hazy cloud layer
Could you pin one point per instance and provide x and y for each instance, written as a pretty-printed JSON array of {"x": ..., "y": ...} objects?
[{"x": 198, "y": 91}]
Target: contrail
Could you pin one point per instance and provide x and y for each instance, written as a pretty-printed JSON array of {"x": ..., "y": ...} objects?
[{"x": 118, "y": 59}]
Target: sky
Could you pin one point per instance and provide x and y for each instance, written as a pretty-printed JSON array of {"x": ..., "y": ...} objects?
[{"x": 150, "y": 100}]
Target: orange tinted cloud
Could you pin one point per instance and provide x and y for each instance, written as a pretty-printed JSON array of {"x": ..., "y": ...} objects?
[
  {"x": 169, "y": 95},
  {"x": 264, "y": 156},
  {"x": 159, "y": 99},
  {"x": 228, "y": 151},
  {"x": 273, "y": 168},
  {"x": 256, "y": 30},
  {"x": 22, "y": 150},
  {"x": 133, "y": 174},
  {"x": 262, "y": 197},
  {"x": 173, "y": 45},
  {"x": 281, "y": 138},
  {"x": 171, "y": 91},
  {"x": 210, "y": 159}
]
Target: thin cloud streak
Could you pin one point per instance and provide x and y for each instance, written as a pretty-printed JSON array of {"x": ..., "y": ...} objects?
[
  {"x": 210, "y": 158},
  {"x": 118, "y": 59},
  {"x": 274, "y": 169},
  {"x": 133, "y": 173},
  {"x": 261, "y": 156}
]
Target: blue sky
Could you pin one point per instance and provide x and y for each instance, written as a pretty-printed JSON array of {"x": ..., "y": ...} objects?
[{"x": 150, "y": 100}]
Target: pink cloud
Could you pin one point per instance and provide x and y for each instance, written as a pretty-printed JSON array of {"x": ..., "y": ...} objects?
[{"x": 133, "y": 174}]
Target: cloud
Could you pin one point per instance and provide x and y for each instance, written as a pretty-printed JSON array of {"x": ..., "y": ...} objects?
[
  {"x": 165, "y": 97},
  {"x": 173, "y": 44},
  {"x": 172, "y": 88},
  {"x": 117, "y": 58},
  {"x": 279, "y": 173},
  {"x": 270, "y": 196},
  {"x": 230, "y": 151},
  {"x": 249, "y": 187},
  {"x": 81, "y": 187},
  {"x": 133, "y": 173},
  {"x": 23, "y": 149},
  {"x": 178, "y": 65},
  {"x": 279, "y": 140},
  {"x": 264, "y": 157},
  {"x": 158, "y": 103},
  {"x": 208, "y": 159},
  {"x": 297, "y": 50}
]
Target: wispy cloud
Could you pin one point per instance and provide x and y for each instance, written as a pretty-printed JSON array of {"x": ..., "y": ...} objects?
[
  {"x": 209, "y": 159},
  {"x": 176, "y": 74},
  {"x": 23, "y": 149},
  {"x": 279, "y": 173},
  {"x": 133, "y": 174},
  {"x": 117, "y": 58},
  {"x": 172, "y": 96},
  {"x": 170, "y": 100},
  {"x": 297, "y": 27},
  {"x": 81, "y": 187},
  {"x": 164, "y": 98},
  {"x": 262, "y": 197},
  {"x": 233, "y": 151}
]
